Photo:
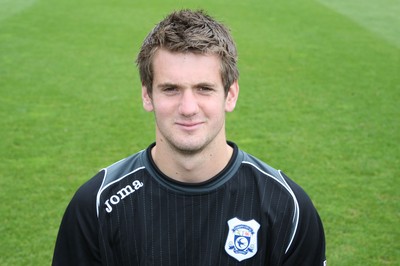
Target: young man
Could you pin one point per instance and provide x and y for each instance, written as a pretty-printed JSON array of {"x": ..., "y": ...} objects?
[{"x": 191, "y": 198}]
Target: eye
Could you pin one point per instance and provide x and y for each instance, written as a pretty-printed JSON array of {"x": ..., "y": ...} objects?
[
  {"x": 205, "y": 90},
  {"x": 170, "y": 90}
]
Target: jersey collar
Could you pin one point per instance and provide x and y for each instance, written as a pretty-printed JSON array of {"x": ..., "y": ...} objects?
[{"x": 197, "y": 188}]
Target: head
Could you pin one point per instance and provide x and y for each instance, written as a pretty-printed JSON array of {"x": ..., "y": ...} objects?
[{"x": 187, "y": 31}]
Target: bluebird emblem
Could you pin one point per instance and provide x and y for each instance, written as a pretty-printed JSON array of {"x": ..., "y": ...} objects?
[{"x": 241, "y": 242}]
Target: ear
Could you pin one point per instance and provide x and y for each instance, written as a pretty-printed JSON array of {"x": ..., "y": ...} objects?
[
  {"x": 231, "y": 98},
  {"x": 147, "y": 101}
]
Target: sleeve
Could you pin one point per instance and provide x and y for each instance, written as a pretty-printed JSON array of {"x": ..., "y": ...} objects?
[
  {"x": 78, "y": 237},
  {"x": 308, "y": 247}
]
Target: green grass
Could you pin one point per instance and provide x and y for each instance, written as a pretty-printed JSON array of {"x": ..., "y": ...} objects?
[{"x": 320, "y": 88}]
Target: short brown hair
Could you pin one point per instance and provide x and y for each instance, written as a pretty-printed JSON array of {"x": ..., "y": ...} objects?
[{"x": 189, "y": 31}]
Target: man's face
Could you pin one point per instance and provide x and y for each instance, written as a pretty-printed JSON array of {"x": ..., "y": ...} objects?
[{"x": 188, "y": 100}]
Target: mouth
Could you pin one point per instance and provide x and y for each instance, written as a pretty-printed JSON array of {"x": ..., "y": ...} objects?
[{"x": 189, "y": 125}]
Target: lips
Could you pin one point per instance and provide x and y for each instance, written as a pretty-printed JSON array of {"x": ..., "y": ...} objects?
[{"x": 189, "y": 125}]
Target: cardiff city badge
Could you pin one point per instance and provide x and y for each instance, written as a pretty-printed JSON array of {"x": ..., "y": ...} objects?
[{"x": 241, "y": 242}]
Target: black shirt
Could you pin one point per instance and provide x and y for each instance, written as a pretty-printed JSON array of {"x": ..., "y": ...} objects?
[{"x": 248, "y": 214}]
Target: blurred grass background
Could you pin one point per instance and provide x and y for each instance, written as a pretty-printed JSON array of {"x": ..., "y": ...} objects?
[{"x": 320, "y": 88}]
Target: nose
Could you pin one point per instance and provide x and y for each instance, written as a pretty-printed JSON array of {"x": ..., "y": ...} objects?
[{"x": 188, "y": 105}]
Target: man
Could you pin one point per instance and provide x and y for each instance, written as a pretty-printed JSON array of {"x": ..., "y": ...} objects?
[{"x": 191, "y": 198}]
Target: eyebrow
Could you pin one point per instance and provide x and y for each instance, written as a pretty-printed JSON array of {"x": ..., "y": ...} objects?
[
  {"x": 167, "y": 85},
  {"x": 205, "y": 84},
  {"x": 175, "y": 85}
]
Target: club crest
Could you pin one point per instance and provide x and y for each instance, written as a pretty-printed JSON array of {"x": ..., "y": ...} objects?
[{"x": 241, "y": 242}]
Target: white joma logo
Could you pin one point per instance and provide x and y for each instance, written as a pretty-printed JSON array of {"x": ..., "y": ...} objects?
[{"x": 121, "y": 194}]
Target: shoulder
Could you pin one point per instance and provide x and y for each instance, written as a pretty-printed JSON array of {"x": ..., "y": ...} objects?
[
  {"x": 124, "y": 167},
  {"x": 266, "y": 172},
  {"x": 86, "y": 195}
]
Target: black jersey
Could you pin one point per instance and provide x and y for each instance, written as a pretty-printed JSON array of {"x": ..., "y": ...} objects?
[{"x": 132, "y": 214}]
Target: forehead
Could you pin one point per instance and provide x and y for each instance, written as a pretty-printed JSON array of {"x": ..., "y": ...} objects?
[{"x": 186, "y": 67}]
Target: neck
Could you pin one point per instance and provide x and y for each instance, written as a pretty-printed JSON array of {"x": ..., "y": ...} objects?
[{"x": 194, "y": 167}]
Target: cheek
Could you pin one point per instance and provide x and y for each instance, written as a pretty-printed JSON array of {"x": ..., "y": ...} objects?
[
  {"x": 163, "y": 109},
  {"x": 215, "y": 112}
]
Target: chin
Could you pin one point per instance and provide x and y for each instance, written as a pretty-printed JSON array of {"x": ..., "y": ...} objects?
[{"x": 189, "y": 148}]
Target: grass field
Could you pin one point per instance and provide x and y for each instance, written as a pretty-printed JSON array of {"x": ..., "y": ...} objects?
[{"x": 320, "y": 93}]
